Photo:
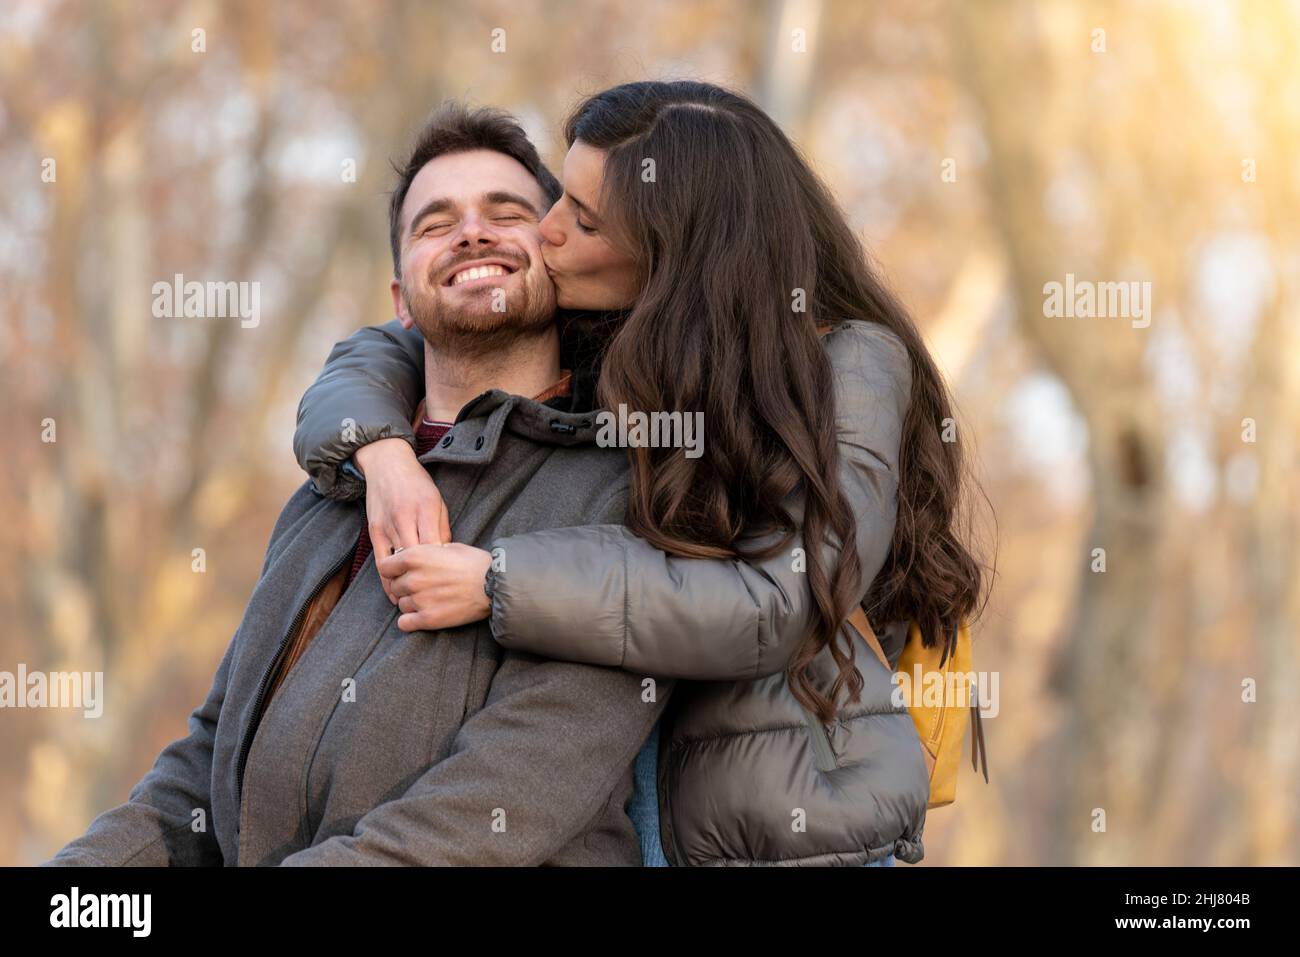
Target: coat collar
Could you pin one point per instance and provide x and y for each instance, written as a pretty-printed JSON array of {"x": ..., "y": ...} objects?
[{"x": 476, "y": 433}]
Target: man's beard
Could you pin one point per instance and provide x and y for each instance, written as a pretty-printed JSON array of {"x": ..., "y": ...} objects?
[{"x": 473, "y": 327}]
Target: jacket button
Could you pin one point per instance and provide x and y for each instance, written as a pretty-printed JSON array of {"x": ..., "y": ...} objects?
[
  {"x": 446, "y": 441},
  {"x": 478, "y": 443}
]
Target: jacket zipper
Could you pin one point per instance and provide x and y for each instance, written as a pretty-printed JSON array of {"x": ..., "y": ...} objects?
[
  {"x": 821, "y": 743},
  {"x": 469, "y": 680},
  {"x": 258, "y": 702}
]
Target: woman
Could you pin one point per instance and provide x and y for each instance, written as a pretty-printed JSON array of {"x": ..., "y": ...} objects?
[{"x": 730, "y": 284}]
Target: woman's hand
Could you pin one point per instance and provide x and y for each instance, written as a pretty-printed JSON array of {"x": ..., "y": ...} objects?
[
  {"x": 403, "y": 506},
  {"x": 438, "y": 586}
]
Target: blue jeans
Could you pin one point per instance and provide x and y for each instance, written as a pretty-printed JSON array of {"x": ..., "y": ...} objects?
[{"x": 643, "y": 808}]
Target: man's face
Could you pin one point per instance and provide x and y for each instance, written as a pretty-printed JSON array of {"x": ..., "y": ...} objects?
[{"x": 472, "y": 270}]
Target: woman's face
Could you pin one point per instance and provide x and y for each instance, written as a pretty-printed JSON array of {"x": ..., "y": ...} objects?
[{"x": 589, "y": 264}]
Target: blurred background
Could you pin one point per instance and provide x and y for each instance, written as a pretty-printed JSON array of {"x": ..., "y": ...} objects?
[{"x": 983, "y": 150}]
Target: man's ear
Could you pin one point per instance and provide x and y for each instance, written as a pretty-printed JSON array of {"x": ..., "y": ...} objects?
[{"x": 399, "y": 304}]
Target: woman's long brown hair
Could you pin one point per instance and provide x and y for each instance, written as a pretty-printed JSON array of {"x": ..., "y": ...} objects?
[{"x": 728, "y": 222}]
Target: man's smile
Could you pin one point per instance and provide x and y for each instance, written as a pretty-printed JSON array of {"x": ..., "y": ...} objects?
[{"x": 478, "y": 271}]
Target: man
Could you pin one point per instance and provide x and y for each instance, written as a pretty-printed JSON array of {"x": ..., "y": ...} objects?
[{"x": 331, "y": 736}]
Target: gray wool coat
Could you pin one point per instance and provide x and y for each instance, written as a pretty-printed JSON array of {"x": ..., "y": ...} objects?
[{"x": 384, "y": 747}]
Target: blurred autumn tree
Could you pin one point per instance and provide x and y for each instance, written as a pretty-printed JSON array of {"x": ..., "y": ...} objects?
[{"x": 984, "y": 150}]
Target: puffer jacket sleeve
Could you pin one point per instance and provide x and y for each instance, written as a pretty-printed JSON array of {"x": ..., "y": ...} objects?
[
  {"x": 601, "y": 595},
  {"x": 368, "y": 390}
]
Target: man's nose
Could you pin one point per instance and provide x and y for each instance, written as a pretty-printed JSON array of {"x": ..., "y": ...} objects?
[{"x": 475, "y": 231}]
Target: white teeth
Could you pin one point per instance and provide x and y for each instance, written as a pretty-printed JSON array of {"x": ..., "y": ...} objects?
[{"x": 478, "y": 272}]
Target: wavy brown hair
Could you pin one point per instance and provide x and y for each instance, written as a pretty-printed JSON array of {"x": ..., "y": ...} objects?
[{"x": 726, "y": 223}]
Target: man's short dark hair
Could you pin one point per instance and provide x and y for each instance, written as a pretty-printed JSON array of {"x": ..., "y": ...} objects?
[{"x": 455, "y": 128}]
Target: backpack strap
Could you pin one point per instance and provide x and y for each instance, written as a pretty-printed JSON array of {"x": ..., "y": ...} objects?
[
  {"x": 858, "y": 620},
  {"x": 977, "y": 745}
]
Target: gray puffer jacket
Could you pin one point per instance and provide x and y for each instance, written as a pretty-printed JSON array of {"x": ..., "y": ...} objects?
[{"x": 747, "y": 776}]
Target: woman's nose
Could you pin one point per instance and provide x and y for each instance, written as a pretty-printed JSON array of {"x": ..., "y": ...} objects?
[{"x": 549, "y": 229}]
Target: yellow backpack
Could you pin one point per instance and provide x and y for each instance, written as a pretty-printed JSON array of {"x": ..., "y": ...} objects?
[{"x": 941, "y": 728}]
